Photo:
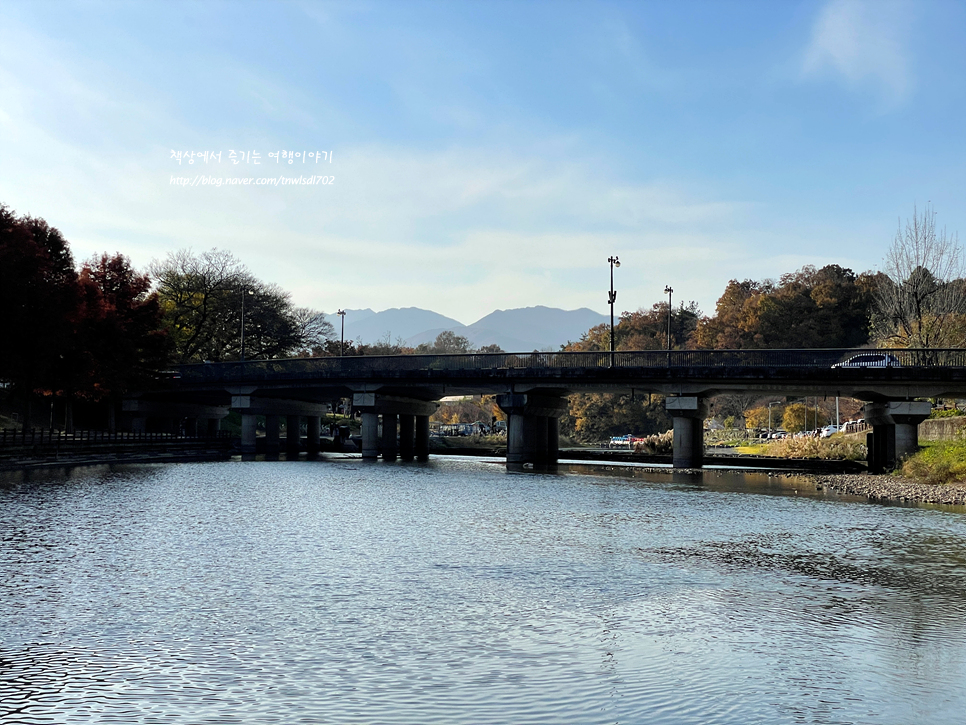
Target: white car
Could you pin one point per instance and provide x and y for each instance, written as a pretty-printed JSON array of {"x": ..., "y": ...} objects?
[{"x": 870, "y": 360}]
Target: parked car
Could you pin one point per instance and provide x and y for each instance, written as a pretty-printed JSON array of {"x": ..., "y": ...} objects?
[{"x": 870, "y": 360}]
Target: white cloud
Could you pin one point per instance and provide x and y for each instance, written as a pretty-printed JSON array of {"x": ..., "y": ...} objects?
[{"x": 863, "y": 42}]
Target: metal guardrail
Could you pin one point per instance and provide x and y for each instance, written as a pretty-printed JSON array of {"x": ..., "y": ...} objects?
[
  {"x": 52, "y": 437},
  {"x": 366, "y": 366}
]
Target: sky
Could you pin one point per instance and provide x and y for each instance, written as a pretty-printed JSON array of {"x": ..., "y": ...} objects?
[{"x": 487, "y": 155}]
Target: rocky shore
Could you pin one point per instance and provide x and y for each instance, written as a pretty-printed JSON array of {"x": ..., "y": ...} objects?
[{"x": 893, "y": 488}]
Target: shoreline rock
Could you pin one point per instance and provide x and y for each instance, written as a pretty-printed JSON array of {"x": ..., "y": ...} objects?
[{"x": 893, "y": 488}]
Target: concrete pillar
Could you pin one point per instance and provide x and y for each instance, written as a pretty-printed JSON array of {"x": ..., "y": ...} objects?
[
  {"x": 553, "y": 439},
  {"x": 422, "y": 438},
  {"x": 293, "y": 436},
  {"x": 314, "y": 434},
  {"x": 407, "y": 429},
  {"x": 272, "y": 445},
  {"x": 248, "y": 422},
  {"x": 529, "y": 429},
  {"x": 895, "y": 431},
  {"x": 688, "y": 413},
  {"x": 389, "y": 436},
  {"x": 370, "y": 435}
]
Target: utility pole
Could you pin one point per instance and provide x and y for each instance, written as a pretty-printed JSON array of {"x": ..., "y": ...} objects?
[{"x": 668, "y": 291}]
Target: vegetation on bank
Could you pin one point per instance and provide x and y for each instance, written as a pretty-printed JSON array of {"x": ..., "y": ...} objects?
[{"x": 937, "y": 462}]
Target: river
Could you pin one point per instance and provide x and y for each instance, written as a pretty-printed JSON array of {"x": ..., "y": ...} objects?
[{"x": 342, "y": 591}]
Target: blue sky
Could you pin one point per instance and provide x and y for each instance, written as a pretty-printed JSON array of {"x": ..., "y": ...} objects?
[{"x": 489, "y": 154}]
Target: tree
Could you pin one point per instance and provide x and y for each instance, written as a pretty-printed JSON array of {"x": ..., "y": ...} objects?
[
  {"x": 447, "y": 342},
  {"x": 810, "y": 308},
  {"x": 598, "y": 416},
  {"x": 38, "y": 293},
  {"x": 798, "y": 417},
  {"x": 212, "y": 305},
  {"x": 920, "y": 296}
]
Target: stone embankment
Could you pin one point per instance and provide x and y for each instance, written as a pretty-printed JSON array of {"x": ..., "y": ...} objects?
[{"x": 894, "y": 488}]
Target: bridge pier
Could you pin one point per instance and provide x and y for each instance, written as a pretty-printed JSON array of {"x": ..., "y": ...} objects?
[
  {"x": 293, "y": 436},
  {"x": 248, "y": 425},
  {"x": 370, "y": 435},
  {"x": 422, "y": 438},
  {"x": 389, "y": 435},
  {"x": 313, "y": 429},
  {"x": 272, "y": 441},
  {"x": 895, "y": 431},
  {"x": 411, "y": 416},
  {"x": 688, "y": 413},
  {"x": 532, "y": 428},
  {"x": 407, "y": 431}
]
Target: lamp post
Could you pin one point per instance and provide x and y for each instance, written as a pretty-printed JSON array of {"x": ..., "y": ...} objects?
[
  {"x": 611, "y": 297},
  {"x": 774, "y": 402},
  {"x": 341, "y": 313},
  {"x": 243, "y": 292},
  {"x": 668, "y": 291}
]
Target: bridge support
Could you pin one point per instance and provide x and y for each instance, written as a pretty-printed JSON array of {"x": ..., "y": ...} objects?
[
  {"x": 272, "y": 443},
  {"x": 895, "y": 431},
  {"x": 389, "y": 436},
  {"x": 688, "y": 413},
  {"x": 411, "y": 416},
  {"x": 293, "y": 436},
  {"x": 248, "y": 423},
  {"x": 370, "y": 435},
  {"x": 313, "y": 429},
  {"x": 407, "y": 431},
  {"x": 422, "y": 438},
  {"x": 532, "y": 428}
]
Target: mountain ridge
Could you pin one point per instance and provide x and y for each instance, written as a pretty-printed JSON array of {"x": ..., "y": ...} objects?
[{"x": 521, "y": 329}]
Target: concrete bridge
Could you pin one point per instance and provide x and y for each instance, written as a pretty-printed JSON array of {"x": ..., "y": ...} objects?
[{"x": 532, "y": 389}]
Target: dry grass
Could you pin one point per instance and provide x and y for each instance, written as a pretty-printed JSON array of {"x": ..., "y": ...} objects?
[{"x": 834, "y": 448}]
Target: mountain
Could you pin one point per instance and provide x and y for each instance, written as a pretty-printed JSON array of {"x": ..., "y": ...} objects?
[
  {"x": 544, "y": 327},
  {"x": 520, "y": 330},
  {"x": 371, "y": 327}
]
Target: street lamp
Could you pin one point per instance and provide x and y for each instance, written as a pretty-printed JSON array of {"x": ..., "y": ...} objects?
[
  {"x": 341, "y": 313},
  {"x": 774, "y": 402},
  {"x": 614, "y": 262},
  {"x": 668, "y": 291},
  {"x": 251, "y": 292}
]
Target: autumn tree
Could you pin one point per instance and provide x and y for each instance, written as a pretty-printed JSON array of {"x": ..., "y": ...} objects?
[
  {"x": 811, "y": 308},
  {"x": 38, "y": 293}
]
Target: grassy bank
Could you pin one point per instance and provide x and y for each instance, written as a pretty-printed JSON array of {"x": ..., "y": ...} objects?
[{"x": 938, "y": 462}]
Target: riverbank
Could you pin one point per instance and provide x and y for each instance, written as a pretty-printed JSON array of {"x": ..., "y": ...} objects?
[{"x": 893, "y": 488}]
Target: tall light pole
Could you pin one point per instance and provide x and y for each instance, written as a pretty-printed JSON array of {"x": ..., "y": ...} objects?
[
  {"x": 614, "y": 262},
  {"x": 774, "y": 402},
  {"x": 668, "y": 291},
  {"x": 243, "y": 292},
  {"x": 341, "y": 313}
]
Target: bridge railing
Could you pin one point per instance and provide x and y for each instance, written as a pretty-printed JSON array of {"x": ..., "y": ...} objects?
[{"x": 388, "y": 365}]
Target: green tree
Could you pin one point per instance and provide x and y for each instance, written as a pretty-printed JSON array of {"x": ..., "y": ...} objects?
[{"x": 213, "y": 305}]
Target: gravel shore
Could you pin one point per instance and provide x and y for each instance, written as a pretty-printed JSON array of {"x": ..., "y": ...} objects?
[{"x": 893, "y": 488}]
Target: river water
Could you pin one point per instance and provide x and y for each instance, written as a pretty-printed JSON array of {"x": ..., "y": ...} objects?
[{"x": 339, "y": 591}]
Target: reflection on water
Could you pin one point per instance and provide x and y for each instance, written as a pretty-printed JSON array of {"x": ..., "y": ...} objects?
[{"x": 347, "y": 592}]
